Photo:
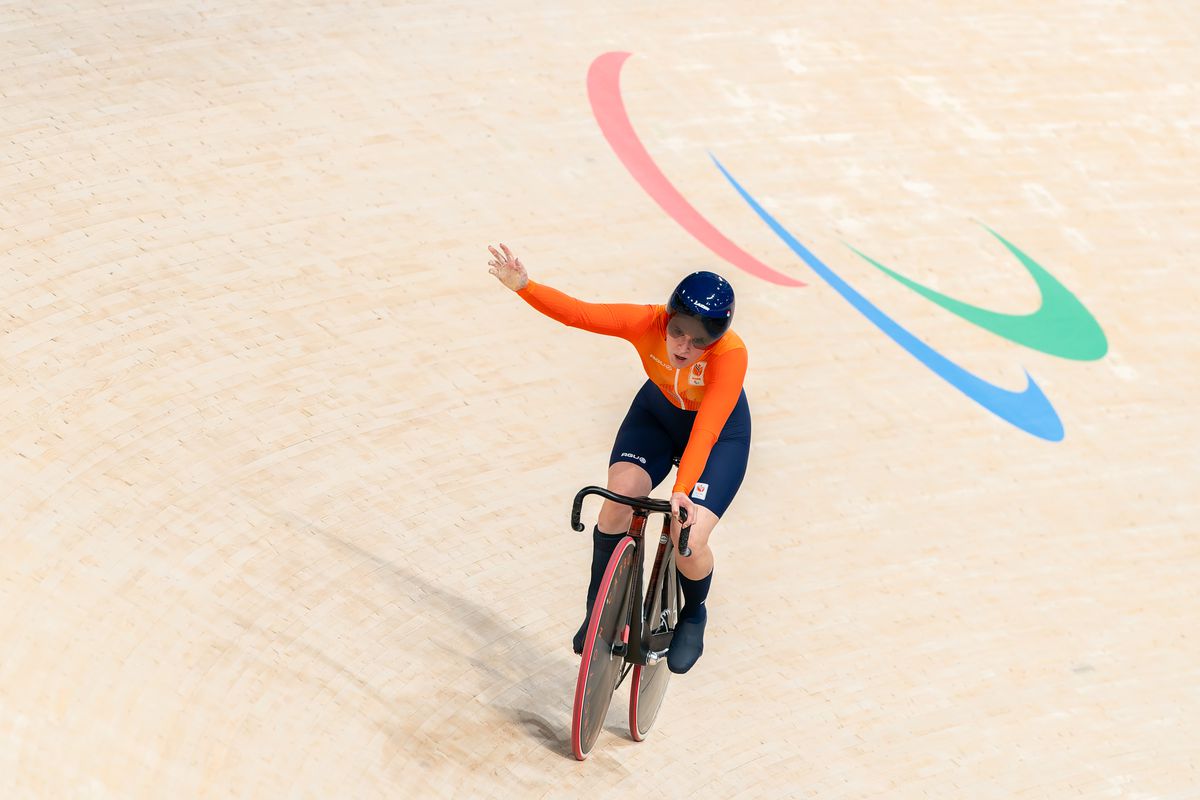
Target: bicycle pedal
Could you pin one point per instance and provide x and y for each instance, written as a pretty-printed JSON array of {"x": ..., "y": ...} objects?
[
  {"x": 655, "y": 656},
  {"x": 625, "y": 635}
]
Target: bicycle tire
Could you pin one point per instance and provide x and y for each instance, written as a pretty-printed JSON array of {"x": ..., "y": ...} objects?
[
  {"x": 599, "y": 667},
  {"x": 649, "y": 684}
]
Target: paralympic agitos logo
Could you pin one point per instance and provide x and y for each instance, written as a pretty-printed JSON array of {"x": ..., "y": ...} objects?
[{"x": 1061, "y": 326}]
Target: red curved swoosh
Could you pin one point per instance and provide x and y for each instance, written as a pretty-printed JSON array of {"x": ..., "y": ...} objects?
[{"x": 604, "y": 93}]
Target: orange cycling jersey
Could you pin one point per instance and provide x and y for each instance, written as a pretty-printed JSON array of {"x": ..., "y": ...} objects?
[{"x": 711, "y": 387}]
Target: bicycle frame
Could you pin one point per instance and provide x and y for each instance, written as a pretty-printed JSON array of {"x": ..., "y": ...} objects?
[{"x": 641, "y": 647}]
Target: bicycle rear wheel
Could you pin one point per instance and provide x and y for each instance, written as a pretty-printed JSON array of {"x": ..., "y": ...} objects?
[
  {"x": 600, "y": 667},
  {"x": 649, "y": 685}
]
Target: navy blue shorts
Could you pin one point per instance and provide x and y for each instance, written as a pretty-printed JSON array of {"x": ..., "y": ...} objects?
[{"x": 655, "y": 433}]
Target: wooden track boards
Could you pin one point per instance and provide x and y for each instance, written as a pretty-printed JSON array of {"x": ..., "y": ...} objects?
[{"x": 286, "y": 474}]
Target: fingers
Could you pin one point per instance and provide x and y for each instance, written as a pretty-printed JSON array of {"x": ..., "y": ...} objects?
[
  {"x": 687, "y": 511},
  {"x": 505, "y": 260},
  {"x": 681, "y": 506}
]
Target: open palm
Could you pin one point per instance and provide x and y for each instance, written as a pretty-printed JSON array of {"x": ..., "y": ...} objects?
[{"x": 508, "y": 269}]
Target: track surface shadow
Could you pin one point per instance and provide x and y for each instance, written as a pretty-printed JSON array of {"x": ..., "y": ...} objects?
[{"x": 520, "y": 663}]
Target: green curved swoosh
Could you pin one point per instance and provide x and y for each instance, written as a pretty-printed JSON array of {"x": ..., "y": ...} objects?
[{"x": 1061, "y": 326}]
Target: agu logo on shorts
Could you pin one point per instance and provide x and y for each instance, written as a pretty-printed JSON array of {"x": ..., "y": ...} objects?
[{"x": 1061, "y": 326}]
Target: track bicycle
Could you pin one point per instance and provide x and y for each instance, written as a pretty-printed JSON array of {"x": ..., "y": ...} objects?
[{"x": 626, "y": 630}]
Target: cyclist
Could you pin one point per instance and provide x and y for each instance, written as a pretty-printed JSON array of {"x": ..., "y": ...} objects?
[{"x": 692, "y": 407}]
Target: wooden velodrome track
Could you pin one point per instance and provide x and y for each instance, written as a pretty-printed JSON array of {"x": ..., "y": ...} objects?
[{"x": 286, "y": 473}]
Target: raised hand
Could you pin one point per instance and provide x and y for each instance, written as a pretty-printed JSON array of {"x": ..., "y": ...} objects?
[{"x": 508, "y": 269}]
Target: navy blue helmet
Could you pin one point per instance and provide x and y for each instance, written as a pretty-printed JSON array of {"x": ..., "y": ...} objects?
[{"x": 707, "y": 298}]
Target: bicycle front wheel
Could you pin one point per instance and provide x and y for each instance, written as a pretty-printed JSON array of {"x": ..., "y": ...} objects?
[
  {"x": 649, "y": 685},
  {"x": 600, "y": 667}
]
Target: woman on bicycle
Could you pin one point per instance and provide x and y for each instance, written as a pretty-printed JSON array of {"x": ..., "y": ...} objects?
[{"x": 692, "y": 408}]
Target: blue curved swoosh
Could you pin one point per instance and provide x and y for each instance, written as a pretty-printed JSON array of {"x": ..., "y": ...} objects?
[{"x": 1028, "y": 410}]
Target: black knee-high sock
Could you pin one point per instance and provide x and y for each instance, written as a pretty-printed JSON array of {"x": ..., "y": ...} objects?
[
  {"x": 603, "y": 545},
  {"x": 694, "y": 594}
]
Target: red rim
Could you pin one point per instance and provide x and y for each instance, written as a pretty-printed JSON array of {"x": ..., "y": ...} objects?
[
  {"x": 633, "y": 703},
  {"x": 589, "y": 642}
]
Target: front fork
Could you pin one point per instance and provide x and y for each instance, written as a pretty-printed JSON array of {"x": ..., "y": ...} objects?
[{"x": 636, "y": 642}]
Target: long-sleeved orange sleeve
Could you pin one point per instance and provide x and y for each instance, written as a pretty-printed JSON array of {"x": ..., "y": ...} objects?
[{"x": 625, "y": 320}]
